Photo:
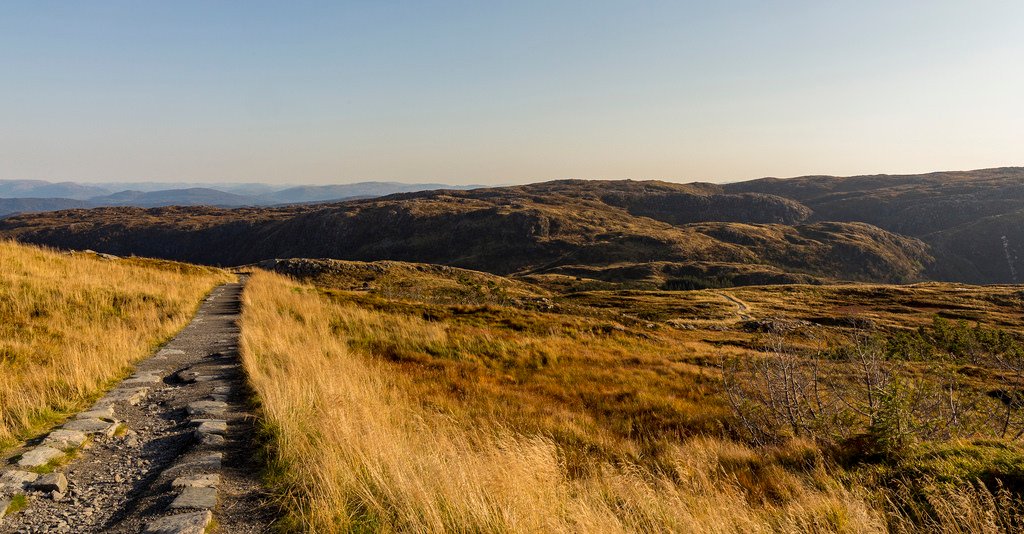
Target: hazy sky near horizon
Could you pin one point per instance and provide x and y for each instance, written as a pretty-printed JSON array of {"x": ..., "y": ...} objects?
[{"x": 506, "y": 92}]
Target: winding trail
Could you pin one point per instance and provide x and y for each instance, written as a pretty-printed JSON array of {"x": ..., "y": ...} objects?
[
  {"x": 741, "y": 307},
  {"x": 166, "y": 451}
]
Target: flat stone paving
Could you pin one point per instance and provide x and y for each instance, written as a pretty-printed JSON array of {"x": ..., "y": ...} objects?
[{"x": 167, "y": 451}]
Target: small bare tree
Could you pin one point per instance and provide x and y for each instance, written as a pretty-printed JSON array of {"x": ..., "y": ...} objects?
[{"x": 779, "y": 393}]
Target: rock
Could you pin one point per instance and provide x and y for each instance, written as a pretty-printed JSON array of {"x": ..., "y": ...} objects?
[
  {"x": 131, "y": 439},
  {"x": 106, "y": 412},
  {"x": 209, "y": 440},
  {"x": 143, "y": 378},
  {"x": 210, "y": 461},
  {"x": 196, "y": 497},
  {"x": 222, "y": 390},
  {"x": 63, "y": 439},
  {"x": 39, "y": 456},
  {"x": 5, "y": 503},
  {"x": 206, "y": 408},
  {"x": 219, "y": 398},
  {"x": 131, "y": 396},
  {"x": 196, "y": 481},
  {"x": 170, "y": 352},
  {"x": 15, "y": 480},
  {"x": 56, "y": 496},
  {"x": 213, "y": 427},
  {"x": 188, "y": 376},
  {"x": 53, "y": 482},
  {"x": 191, "y": 523},
  {"x": 93, "y": 426}
]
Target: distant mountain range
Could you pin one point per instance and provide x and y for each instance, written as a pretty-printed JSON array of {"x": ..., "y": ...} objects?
[
  {"x": 950, "y": 226},
  {"x": 26, "y": 196}
]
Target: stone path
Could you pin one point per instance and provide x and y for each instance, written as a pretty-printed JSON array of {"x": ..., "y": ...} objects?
[{"x": 167, "y": 451}]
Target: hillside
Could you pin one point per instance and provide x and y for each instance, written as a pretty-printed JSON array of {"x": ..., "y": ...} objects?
[
  {"x": 951, "y": 226},
  {"x": 9, "y": 206},
  {"x": 193, "y": 196},
  {"x": 534, "y": 229},
  {"x": 452, "y": 400},
  {"x": 967, "y": 217}
]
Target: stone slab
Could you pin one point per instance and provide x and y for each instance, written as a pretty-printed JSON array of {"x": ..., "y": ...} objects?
[
  {"x": 203, "y": 498},
  {"x": 16, "y": 480},
  {"x": 209, "y": 440},
  {"x": 196, "y": 421},
  {"x": 191, "y": 523},
  {"x": 105, "y": 412},
  {"x": 206, "y": 408},
  {"x": 211, "y": 461},
  {"x": 188, "y": 376},
  {"x": 39, "y": 456},
  {"x": 131, "y": 396},
  {"x": 196, "y": 481},
  {"x": 142, "y": 378},
  {"x": 64, "y": 438},
  {"x": 92, "y": 426},
  {"x": 213, "y": 427}
]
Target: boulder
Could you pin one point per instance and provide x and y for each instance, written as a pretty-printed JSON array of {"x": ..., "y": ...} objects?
[{"x": 52, "y": 482}]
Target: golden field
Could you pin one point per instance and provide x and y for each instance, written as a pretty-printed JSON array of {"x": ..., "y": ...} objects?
[
  {"x": 582, "y": 412},
  {"x": 71, "y": 325}
]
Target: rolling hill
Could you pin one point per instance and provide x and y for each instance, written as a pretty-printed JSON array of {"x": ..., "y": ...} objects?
[
  {"x": 970, "y": 218},
  {"x": 530, "y": 229}
]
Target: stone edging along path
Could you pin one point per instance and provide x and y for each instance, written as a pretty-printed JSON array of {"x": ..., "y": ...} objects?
[{"x": 165, "y": 452}]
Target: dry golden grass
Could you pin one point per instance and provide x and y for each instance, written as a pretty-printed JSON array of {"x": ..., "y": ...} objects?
[
  {"x": 71, "y": 324},
  {"x": 357, "y": 445}
]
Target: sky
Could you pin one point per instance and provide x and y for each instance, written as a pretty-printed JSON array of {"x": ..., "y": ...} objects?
[{"x": 497, "y": 92}]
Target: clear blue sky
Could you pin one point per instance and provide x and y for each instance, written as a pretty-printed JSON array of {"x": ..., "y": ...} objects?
[{"x": 501, "y": 92}]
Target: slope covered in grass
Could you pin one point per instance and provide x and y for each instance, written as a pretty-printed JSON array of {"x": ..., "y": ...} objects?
[
  {"x": 71, "y": 324},
  {"x": 361, "y": 442},
  {"x": 411, "y": 397}
]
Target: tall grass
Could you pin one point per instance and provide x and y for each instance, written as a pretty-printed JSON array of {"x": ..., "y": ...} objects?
[
  {"x": 352, "y": 450},
  {"x": 70, "y": 324}
]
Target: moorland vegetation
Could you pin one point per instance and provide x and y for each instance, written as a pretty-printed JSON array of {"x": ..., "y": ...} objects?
[
  {"x": 403, "y": 396},
  {"x": 73, "y": 324}
]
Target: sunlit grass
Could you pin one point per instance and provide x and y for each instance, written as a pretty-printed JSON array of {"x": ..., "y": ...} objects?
[
  {"x": 359, "y": 443},
  {"x": 72, "y": 324}
]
